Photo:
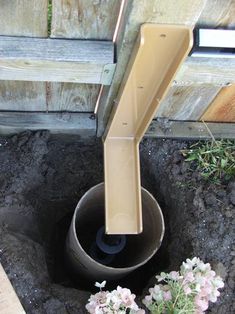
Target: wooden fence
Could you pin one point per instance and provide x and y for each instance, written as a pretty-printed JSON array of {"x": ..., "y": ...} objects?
[{"x": 50, "y": 78}]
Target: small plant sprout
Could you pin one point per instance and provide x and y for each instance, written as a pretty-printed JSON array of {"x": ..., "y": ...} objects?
[
  {"x": 100, "y": 285},
  {"x": 118, "y": 301},
  {"x": 188, "y": 291}
]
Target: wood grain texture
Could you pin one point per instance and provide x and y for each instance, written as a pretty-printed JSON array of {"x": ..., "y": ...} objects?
[
  {"x": 87, "y": 19},
  {"x": 22, "y": 96},
  {"x": 136, "y": 13},
  {"x": 218, "y": 13},
  {"x": 51, "y": 71},
  {"x": 53, "y": 59},
  {"x": 83, "y": 19},
  {"x": 72, "y": 97},
  {"x": 82, "y": 51},
  {"x": 185, "y": 12},
  {"x": 216, "y": 71},
  {"x": 82, "y": 124},
  {"x": 187, "y": 102},
  {"x": 222, "y": 109},
  {"x": 190, "y": 130},
  {"x": 23, "y": 18},
  {"x": 9, "y": 302}
]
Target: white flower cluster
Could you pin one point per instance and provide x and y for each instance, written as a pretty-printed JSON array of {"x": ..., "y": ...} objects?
[
  {"x": 190, "y": 289},
  {"x": 117, "y": 301}
]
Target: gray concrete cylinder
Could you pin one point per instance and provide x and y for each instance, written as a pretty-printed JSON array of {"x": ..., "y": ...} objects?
[{"x": 89, "y": 217}]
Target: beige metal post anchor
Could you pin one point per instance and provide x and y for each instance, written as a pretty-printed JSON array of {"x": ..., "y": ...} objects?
[{"x": 158, "y": 54}]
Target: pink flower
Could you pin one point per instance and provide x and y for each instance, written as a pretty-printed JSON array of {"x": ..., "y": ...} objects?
[
  {"x": 187, "y": 290},
  {"x": 147, "y": 300},
  {"x": 167, "y": 296},
  {"x": 157, "y": 293},
  {"x": 174, "y": 275},
  {"x": 200, "y": 279},
  {"x": 98, "y": 310},
  {"x": 127, "y": 298},
  {"x": 96, "y": 301},
  {"x": 206, "y": 290},
  {"x": 201, "y": 304},
  {"x": 156, "y": 289},
  {"x": 189, "y": 277}
]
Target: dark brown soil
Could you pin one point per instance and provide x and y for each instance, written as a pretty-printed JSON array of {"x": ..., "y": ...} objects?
[
  {"x": 41, "y": 180},
  {"x": 199, "y": 216}
]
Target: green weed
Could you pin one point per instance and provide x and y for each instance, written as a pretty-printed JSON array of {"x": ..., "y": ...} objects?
[
  {"x": 49, "y": 16},
  {"x": 215, "y": 160},
  {"x": 189, "y": 185}
]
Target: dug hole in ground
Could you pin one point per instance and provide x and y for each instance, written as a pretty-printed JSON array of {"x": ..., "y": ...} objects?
[{"x": 42, "y": 178}]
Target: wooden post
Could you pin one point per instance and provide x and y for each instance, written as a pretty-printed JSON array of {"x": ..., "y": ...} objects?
[
  {"x": 9, "y": 302},
  {"x": 222, "y": 109}
]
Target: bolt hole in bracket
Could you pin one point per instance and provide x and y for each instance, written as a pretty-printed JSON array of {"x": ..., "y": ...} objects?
[{"x": 156, "y": 57}]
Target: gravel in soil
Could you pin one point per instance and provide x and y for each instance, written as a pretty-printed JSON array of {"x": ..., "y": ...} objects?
[{"x": 43, "y": 177}]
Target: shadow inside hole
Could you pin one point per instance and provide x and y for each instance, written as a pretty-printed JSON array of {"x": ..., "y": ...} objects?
[
  {"x": 137, "y": 248},
  {"x": 136, "y": 281}
]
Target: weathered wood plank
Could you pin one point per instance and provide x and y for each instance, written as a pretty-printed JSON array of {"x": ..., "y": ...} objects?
[
  {"x": 22, "y": 96},
  {"x": 54, "y": 59},
  {"x": 187, "y": 102},
  {"x": 23, "y": 18},
  {"x": 216, "y": 71},
  {"x": 9, "y": 302},
  {"x": 185, "y": 12},
  {"x": 218, "y": 13},
  {"x": 51, "y": 71},
  {"x": 83, "y": 51},
  {"x": 72, "y": 97},
  {"x": 137, "y": 12},
  {"x": 222, "y": 109},
  {"x": 83, "y": 124},
  {"x": 190, "y": 130},
  {"x": 84, "y": 18}
]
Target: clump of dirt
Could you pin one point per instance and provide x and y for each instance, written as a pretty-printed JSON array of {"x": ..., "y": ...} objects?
[{"x": 43, "y": 177}]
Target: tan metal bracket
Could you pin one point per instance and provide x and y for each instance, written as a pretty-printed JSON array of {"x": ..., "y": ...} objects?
[{"x": 158, "y": 54}]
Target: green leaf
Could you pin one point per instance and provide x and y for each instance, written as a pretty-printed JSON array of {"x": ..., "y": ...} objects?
[
  {"x": 224, "y": 163},
  {"x": 191, "y": 157}
]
